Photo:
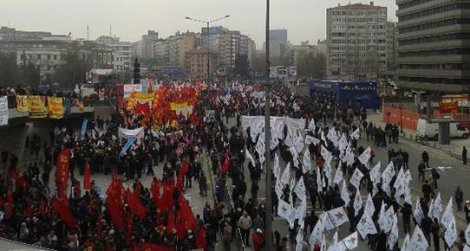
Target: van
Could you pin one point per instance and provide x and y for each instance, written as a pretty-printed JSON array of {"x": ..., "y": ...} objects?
[{"x": 427, "y": 130}]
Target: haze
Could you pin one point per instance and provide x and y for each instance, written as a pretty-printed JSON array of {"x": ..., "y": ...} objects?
[{"x": 130, "y": 19}]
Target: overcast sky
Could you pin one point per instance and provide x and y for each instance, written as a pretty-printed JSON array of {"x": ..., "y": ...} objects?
[{"x": 130, "y": 19}]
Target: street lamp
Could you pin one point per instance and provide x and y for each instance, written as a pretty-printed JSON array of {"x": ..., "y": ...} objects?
[
  {"x": 207, "y": 25},
  {"x": 267, "y": 143}
]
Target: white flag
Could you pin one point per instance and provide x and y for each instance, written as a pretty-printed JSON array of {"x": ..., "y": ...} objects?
[
  {"x": 345, "y": 194},
  {"x": 311, "y": 125},
  {"x": 418, "y": 212},
  {"x": 386, "y": 219},
  {"x": 306, "y": 161},
  {"x": 286, "y": 175},
  {"x": 435, "y": 209},
  {"x": 350, "y": 242},
  {"x": 338, "y": 175},
  {"x": 342, "y": 143},
  {"x": 327, "y": 171},
  {"x": 450, "y": 235},
  {"x": 284, "y": 209},
  {"x": 292, "y": 184},
  {"x": 366, "y": 226},
  {"x": 250, "y": 157},
  {"x": 260, "y": 147},
  {"x": 326, "y": 154},
  {"x": 317, "y": 232},
  {"x": 448, "y": 214},
  {"x": 393, "y": 235},
  {"x": 408, "y": 194},
  {"x": 387, "y": 177},
  {"x": 337, "y": 216},
  {"x": 356, "y": 178},
  {"x": 301, "y": 212},
  {"x": 357, "y": 202},
  {"x": 406, "y": 243},
  {"x": 276, "y": 167},
  {"x": 319, "y": 180},
  {"x": 300, "y": 188},
  {"x": 299, "y": 239},
  {"x": 355, "y": 134},
  {"x": 370, "y": 208},
  {"x": 365, "y": 157},
  {"x": 375, "y": 173},
  {"x": 311, "y": 140},
  {"x": 418, "y": 241}
]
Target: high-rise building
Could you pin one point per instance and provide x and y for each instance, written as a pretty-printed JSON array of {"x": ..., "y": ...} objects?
[
  {"x": 305, "y": 48},
  {"x": 228, "y": 44},
  {"x": 434, "y": 45},
  {"x": 356, "y": 35},
  {"x": 197, "y": 62},
  {"x": 391, "y": 49},
  {"x": 172, "y": 50},
  {"x": 148, "y": 44},
  {"x": 278, "y": 46}
]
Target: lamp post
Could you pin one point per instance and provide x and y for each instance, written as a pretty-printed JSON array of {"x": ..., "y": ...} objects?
[
  {"x": 208, "y": 46},
  {"x": 267, "y": 143}
]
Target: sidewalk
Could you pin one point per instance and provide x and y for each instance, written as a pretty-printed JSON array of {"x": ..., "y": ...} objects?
[{"x": 454, "y": 149}]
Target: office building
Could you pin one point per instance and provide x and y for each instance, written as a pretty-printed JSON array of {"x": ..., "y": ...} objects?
[
  {"x": 356, "y": 35},
  {"x": 434, "y": 45}
]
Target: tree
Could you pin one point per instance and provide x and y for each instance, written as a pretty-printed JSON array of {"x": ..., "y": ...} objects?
[
  {"x": 74, "y": 69},
  {"x": 311, "y": 66},
  {"x": 242, "y": 66},
  {"x": 9, "y": 72},
  {"x": 30, "y": 74}
]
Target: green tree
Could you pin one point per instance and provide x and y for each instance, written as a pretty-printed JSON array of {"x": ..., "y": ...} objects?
[
  {"x": 242, "y": 66},
  {"x": 73, "y": 70},
  {"x": 9, "y": 72}
]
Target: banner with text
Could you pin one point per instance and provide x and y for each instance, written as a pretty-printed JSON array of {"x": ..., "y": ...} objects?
[
  {"x": 22, "y": 103},
  {"x": 37, "y": 107},
  {"x": 3, "y": 111},
  {"x": 55, "y": 107}
]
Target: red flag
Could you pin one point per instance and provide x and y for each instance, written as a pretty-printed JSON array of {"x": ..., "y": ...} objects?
[
  {"x": 166, "y": 201},
  {"x": 155, "y": 190},
  {"x": 188, "y": 221},
  {"x": 201, "y": 241},
  {"x": 62, "y": 172},
  {"x": 171, "y": 222},
  {"x": 135, "y": 205},
  {"x": 137, "y": 190},
  {"x": 61, "y": 208},
  {"x": 87, "y": 177},
  {"x": 115, "y": 211}
]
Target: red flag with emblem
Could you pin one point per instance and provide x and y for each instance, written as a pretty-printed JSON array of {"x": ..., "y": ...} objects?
[
  {"x": 114, "y": 201},
  {"x": 87, "y": 177},
  {"x": 62, "y": 172},
  {"x": 201, "y": 241}
]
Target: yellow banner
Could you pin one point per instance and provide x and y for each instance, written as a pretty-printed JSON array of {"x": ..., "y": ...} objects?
[
  {"x": 22, "y": 103},
  {"x": 175, "y": 106},
  {"x": 143, "y": 98},
  {"x": 37, "y": 107},
  {"x": 55, "y": 107}
]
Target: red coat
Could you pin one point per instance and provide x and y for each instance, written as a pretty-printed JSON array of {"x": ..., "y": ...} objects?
[{"x": 258, "y": 241}]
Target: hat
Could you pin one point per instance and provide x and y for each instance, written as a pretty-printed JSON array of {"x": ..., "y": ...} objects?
[{"x": 259, "y": 231}]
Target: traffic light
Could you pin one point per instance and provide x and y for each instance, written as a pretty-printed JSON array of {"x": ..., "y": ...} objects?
[{"x": 136, "y": 72}]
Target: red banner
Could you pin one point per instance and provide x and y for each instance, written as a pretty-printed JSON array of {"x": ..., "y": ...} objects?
[
  {"x": 87, "y": 177},
  {"x": 62, "y": 172}
]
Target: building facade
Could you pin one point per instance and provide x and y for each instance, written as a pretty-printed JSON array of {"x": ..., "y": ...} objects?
[
  {"x": 392, "y": 52},
  {"x": 434, "y": 45},
  {"x": 305, "y": 48},
  {"x": 46, "y": 51},
  {"x": 356, "y": 35},
  {"x": 197, "y": 62},
  {"x": 148, "y": 44},
  {"x": 121, "y": 52},
  {"x": 278, "y": 45}
]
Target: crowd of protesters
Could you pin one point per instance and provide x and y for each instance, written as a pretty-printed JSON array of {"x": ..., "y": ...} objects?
[{"x": 236, "y": 212}]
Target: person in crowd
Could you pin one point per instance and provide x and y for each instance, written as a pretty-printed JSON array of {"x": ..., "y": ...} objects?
[
  {"x": 464, "y": 155},
  {"x": 458, "y": 196}
]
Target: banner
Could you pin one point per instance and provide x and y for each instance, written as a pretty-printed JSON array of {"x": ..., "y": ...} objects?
[
  {"x": 62, "y": 172},
  {"x": 126, "y": 133},
  {"x": 181, "y": 108},
  {"x": 55, "y": 107},
  {"x": 3, "y": 111},
  {"x": 37, "y": 107},
  {"x": 129, "y": 88},
  {"x": 22, "y": 103}
]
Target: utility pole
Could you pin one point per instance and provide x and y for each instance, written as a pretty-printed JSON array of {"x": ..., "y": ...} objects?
[{"x": 267, "y": 144}]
